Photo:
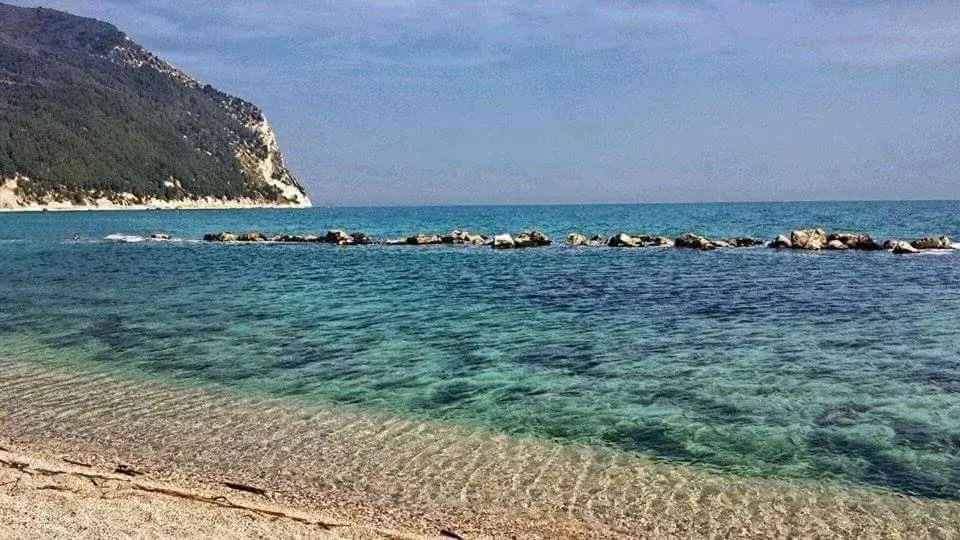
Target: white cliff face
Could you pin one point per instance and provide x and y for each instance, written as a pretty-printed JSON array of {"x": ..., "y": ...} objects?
[
  {"x": 268, "y": 167},
  {"x": 9, "y": 198}
]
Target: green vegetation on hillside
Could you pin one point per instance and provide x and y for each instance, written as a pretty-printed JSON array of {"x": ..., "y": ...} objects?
[{"x": 74, "y": 119}]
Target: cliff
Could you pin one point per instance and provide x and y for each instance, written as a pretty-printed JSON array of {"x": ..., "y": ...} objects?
[{"x": 90, "y": 119}]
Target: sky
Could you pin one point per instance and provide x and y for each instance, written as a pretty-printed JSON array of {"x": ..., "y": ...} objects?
[{"x": 400, "y": 102}]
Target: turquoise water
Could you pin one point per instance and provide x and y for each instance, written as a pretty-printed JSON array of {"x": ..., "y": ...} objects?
[{"x": 833, "y": 365}]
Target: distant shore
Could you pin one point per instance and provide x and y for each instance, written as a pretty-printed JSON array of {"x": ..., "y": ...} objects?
[
  {"x": 125, "y": 208},
  {"x": 157, "y": 205}
]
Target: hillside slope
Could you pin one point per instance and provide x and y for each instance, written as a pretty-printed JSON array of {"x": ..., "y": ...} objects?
[{"x": 89, "y": 118}]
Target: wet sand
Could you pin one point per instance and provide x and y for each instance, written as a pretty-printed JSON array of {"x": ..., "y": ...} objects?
[{"x": 380, "y": 474}]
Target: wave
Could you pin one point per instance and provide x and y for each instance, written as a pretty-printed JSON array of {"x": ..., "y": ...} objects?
[
  {"x": 124, "y": 238},
  {"x": 134, "y": 238}
]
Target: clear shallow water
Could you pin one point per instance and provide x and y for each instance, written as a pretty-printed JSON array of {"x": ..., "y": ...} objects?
[{"x": 756, "y": 362}]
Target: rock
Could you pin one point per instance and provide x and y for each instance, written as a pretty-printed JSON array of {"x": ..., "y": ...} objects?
[
  {"x": 476, "y": 239},
  {"x": 252, "y": 237},
  {"x": 296, "y": 238},
  {"x": 220, "y": 237},
  {"x": 657, "y": 241},
  {"x": 836, "y": 245},
  {"x": 809, "y": 239},
  {"x": 721, "y": 243},
  {"x": 424, "y": 240},
  {"x": 644, "y": 240},
  {"x": 361, "y": 239},
  {"x": 932, "y": 243},
  {"x": 744, "y": 241},
  {"x": 576, "y": 239},
  {"x": 503, "y": 241},
  {"x": 781, "y": 242},
  {"x": 336, "y": 236},
  {"x": 456, "y": 237},
  {"x": 855, "y": 241},
  {"x": 902, "y": 248},
  {"x": 160, "y": 236},
  {"x": 531, "y": 239},
  {"x": 463, "y": 237},
  {"x": 596, "y": 240},
  {"x": 397, "y": 242},
  {"x": 623, "y": 240},
  {"x": 693, "y": 241}
]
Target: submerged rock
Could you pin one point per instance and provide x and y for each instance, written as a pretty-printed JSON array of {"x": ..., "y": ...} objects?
[
  {"x": 576, "y": 239},
  {"x": 596, "y": 240},
  {"x": 160, "y": 236},
  {"x": 808, "y": 239},
  {"x": 942, "y": 242}
]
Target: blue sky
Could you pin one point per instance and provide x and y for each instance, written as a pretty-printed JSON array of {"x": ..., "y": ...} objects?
[{"x": 502, "y": 101}]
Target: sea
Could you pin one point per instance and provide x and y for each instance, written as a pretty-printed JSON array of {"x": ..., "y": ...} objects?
[{"x": 839, "y": 368}]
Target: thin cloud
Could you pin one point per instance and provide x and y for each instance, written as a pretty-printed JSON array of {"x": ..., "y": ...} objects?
[{"x": 472, "y": 33}]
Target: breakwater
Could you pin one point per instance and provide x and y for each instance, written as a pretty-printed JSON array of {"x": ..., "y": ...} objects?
[{"x": 801, "y": 239}]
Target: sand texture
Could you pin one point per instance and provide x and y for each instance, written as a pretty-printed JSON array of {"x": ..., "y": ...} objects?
[{"x": 377, "y": 473}]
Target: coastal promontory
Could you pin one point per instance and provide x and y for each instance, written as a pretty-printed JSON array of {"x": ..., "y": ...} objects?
[{"x": 89, "y": 119}]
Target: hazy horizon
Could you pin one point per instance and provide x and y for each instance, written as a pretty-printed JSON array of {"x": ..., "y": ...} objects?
[{"x": 410, "y": 102}]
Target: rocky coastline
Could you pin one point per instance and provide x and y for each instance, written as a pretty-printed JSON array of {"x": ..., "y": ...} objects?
[{"x": 799, "y": 239}]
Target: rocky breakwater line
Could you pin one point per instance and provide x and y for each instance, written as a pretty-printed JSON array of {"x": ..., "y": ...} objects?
[
  {"x": 688, "y": 240},
  {"x": 455, "y": 238},
  {"x": 818, "y": 239},
  {"x": 900, "y": 247},
  {"x": 334, "y": 236},
  {"x": 800, "y": 239},
  {"x": 523, "y": 240}
]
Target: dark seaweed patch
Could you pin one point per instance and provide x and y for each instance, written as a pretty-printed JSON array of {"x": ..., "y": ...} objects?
[
  {"x": 882, "y": 469},
  {"x": 653, "y": 438}
]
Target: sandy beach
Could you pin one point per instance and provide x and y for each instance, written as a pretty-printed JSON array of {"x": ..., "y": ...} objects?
[
  {"x": 93, "y": 455},
  {"x": 53, "y": 497}
]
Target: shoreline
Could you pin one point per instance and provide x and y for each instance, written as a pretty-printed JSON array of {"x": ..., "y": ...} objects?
[
  {"x": 146, "y": 208},
  {"x": 50, "y": 496},
  {"x": 384, "y": 472}
]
